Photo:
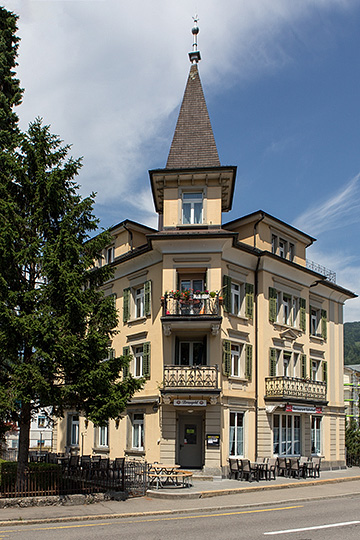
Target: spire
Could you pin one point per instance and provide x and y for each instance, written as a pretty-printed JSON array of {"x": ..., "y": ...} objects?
[{"x": 193, "y": 144}]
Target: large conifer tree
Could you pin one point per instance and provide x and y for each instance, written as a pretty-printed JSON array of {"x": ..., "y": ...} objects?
[{"x": 56, "y": 325}]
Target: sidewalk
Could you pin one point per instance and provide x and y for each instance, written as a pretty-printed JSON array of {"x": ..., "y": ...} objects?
[{"x": 203, "y": 495}]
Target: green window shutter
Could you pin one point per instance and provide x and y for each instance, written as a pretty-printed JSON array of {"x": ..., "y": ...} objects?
[
  {"x": 227, "y": 293},
  {"x": 146, "y": 359},
  {"x": 248, "y": 365},
  {"x": 226, "y": 357},
  {"x": 324, "y": 371},
  {"x": 303, "y": 366},
  {"x": 126, "y": 352},
  {"x": 272, "y": 304},
  {"x": 249, "y": 300},
  {"x": 324, "y": 324},
  {"x": 272, "y": 366},
  {"x": 303, "y": 314},
  {"x": 126, "y": 305},
  {"x": 147, "y": 292},
  {"x": 111, "y": 354}
]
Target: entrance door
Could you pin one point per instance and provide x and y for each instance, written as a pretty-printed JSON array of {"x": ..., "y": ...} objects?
[{"x": 190, "y": 442}]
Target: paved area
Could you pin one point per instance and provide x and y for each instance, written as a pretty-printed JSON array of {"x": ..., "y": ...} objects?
[{"x": 203, "y": 495}]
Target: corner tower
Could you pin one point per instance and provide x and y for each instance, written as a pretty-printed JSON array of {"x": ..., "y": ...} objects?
[{"x": 194, "y": 189}]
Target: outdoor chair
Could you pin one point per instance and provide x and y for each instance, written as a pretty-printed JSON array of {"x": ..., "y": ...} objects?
[
  {"x": 304, "y": 464},
  {"x": 272, "y": 466},
  {"x": 315, "y": 467},
  {"x": 248, "y": 471},
  {"x": 294, "y": 469},
  {"x": 282, "y": 466},
  {"x": 73, "y": 464},
  {"x": 233, "y": 468}
]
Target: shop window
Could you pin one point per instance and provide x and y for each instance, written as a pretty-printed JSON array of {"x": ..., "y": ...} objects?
[{"x": 286, "y": 434}]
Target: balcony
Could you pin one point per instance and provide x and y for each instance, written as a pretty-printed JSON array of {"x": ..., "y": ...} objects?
[
  {"x": 180, "y": 308},
  {"x": 291, "y": 388},
  {"x": 194, "y": 378}
]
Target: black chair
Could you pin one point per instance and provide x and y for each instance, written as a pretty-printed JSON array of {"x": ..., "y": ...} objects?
[
  {"x": 272, "y": 468},
  {"x": 282, "y": 466},
  {"x": 233, "y": 468},
  {"x": 315, "y": 467},
  {"x": 295, "y": 471},
  {"x": 304, "y": 464}
]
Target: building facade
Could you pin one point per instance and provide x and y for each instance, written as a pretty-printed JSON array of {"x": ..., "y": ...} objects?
[
  {"x": 352, "y": 392},
  {"x": 239, "y": 340}
]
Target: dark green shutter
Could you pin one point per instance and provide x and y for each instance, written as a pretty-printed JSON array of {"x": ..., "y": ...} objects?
[
  {"x": 249, "y": 300},
  {"x": 227, "y": 293},
  {"x": 303, "y": 366},
  {"x": 324, "y": 371},
  {"x": 126, "y": 305},
  {"x": 272, "y": 366},
  {"x": 248, "y": 365},
  {"x": 324, "y": 324},
  {"x": 272, "y": 304},
  {"x": 126, "y": 352},
  {"x": 146, "y": 359},
  {"x": 147, "y": 292},
  {"x": 303, "y": 314},
  {"x": 226, "y": 357}
]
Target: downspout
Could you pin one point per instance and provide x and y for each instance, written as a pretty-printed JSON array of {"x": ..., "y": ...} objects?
[
  {"x": 131, "y": 236},
  {"x": 256, "y": 292}
]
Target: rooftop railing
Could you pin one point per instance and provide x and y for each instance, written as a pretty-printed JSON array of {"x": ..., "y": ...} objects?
[{"x": 328, "y": 274}]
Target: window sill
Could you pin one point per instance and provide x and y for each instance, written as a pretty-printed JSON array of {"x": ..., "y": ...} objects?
[
  {"x": 235, "y": 379},
  {"x": 242, "y": 318},
  {"x": 317, "y": 339},
  {"x": 101, "y": 449},
  {"x": 138, "y": 320},
  {"x": 134, "y": 452},
  {"x": 283, "y": 327}
]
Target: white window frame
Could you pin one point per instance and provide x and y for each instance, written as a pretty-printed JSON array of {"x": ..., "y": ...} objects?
[
  {"x": 139, "y": 301},
  {"x": 103, "y": 436},
  {"x": 315, "y": 369},
  {"x": 316, "y": 435},
  {"x": 137, "y": 431},
  {"x": 74, "y": 426},
  {"x": 283, "y": 247},
  {"x": 237, "y": 355},
  {"x": 41, "y": 421},
  {"x": 191, "y": 200},
  {"x": 191, "y": 351},
  {"x": 236, "y": 432},
  {"x": 287, "y": 440},
  {"x": 138, "y": 361},
  {"x": 315, "y": 318},
  {"x": 110, "y": 252},
  {"x": 288, "y": 309},
  {"x": 237, "y": 298}
]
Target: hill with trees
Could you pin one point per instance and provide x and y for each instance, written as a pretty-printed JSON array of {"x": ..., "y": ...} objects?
[{"x": 352, "y": 343}]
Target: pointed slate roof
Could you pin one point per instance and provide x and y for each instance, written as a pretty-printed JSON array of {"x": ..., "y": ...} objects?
[{"x": 193, "y": 144}]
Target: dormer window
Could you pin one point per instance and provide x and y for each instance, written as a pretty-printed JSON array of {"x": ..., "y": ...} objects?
[
  {"x": 283, "y": 248},
  {"x": 192, "y": 208}
]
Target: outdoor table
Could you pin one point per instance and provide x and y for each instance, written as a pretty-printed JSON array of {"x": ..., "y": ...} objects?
[{"x": 162, "y": 474}]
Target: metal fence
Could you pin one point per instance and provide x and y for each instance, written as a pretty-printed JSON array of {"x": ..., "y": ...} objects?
[{"x": 130, "y": 478}]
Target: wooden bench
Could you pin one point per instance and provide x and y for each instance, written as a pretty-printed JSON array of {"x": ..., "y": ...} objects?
[{"x": 176, "y": 478}]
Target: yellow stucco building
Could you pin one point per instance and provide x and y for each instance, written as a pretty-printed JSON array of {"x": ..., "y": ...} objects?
[{"x": 239, "y": 340}]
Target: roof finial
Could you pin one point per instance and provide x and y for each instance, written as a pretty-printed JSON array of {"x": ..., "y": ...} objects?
[{"x": 194, "y": 55}]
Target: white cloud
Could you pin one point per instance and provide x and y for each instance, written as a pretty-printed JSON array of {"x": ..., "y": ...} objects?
[{"x": 339, "y": 210}]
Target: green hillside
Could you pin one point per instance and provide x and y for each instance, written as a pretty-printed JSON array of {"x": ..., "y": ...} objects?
[{"x": 352, "y": 343}]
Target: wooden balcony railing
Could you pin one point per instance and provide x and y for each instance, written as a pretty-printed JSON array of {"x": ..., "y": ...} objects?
[
  {"x": 193, "y": 306},
  {"x": 292, "y": 388},
  {"x": 205, "y": 377}
]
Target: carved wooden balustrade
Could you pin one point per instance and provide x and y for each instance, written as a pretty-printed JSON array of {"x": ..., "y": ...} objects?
[
  {"x": 191, "y": 377},
  {"x": 293, "y": 388}
]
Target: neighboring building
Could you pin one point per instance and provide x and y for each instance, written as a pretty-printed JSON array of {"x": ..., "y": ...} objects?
[
  {"x": 352, "y": 392},
  {"x": 41, "y": 435},
  {"x": 240, "y": 342}
]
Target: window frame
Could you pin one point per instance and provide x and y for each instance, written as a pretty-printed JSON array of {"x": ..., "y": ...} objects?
[
  {"x": 138, "y": 431},
  {"x": 285, "y": 433},
  {"x": 192, "y": 202},
  {"x": 234, "y": 439},
  {"x": 316, "y": 435}
]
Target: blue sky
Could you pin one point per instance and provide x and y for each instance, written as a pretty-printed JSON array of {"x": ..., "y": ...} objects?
[{"x": 281, "y": 80}]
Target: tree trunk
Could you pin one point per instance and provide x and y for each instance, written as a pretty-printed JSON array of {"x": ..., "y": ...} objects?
[{"x": 24, "y": 442}]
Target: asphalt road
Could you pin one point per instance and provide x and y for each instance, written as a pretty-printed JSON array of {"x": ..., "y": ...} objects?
[{"x": 318, "y": 520}]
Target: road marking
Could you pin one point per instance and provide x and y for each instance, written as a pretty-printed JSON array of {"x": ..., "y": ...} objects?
[
  {"x": 330, "y": 526},
  {"x": 102, "y": 523}
]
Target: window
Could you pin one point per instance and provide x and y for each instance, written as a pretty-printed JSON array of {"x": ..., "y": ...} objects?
[
  {"x": 237, "y": 359},
  {"x": 196, "y": 284},
  {"x": 110, "y": 254},
  {"x": 41, "y": 422},
  {"x": 315, "y": 364},
  {"x": 192, "y": 208},
  {"x": 140, "y": 363},
  {"x": 137, "y": 301},
  {"x": 315, "y": 434},
  {"x": 74, "y": 429},
  {"x": 191, "y": 353},
  {"x": 285, "y": 364},
  {"x": 282, "y": 247},
  {"x": 318, "y": 322},
  {"x": 236, "y": 434},
  {"x": 238, "y": 297},
  {"x": 286, "y": 434},
  {"x": 138, "y": 431},
  {"x": 287, "y": 309},
  {"x": 139, "y": 296},
  {"x": 103, "y": 434}
]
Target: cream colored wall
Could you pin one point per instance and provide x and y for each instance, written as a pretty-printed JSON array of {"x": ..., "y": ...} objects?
[{"x": 211, "y": 209}]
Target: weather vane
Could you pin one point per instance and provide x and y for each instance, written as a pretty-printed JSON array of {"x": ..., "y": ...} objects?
[{"x": 195, "y": 54}]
